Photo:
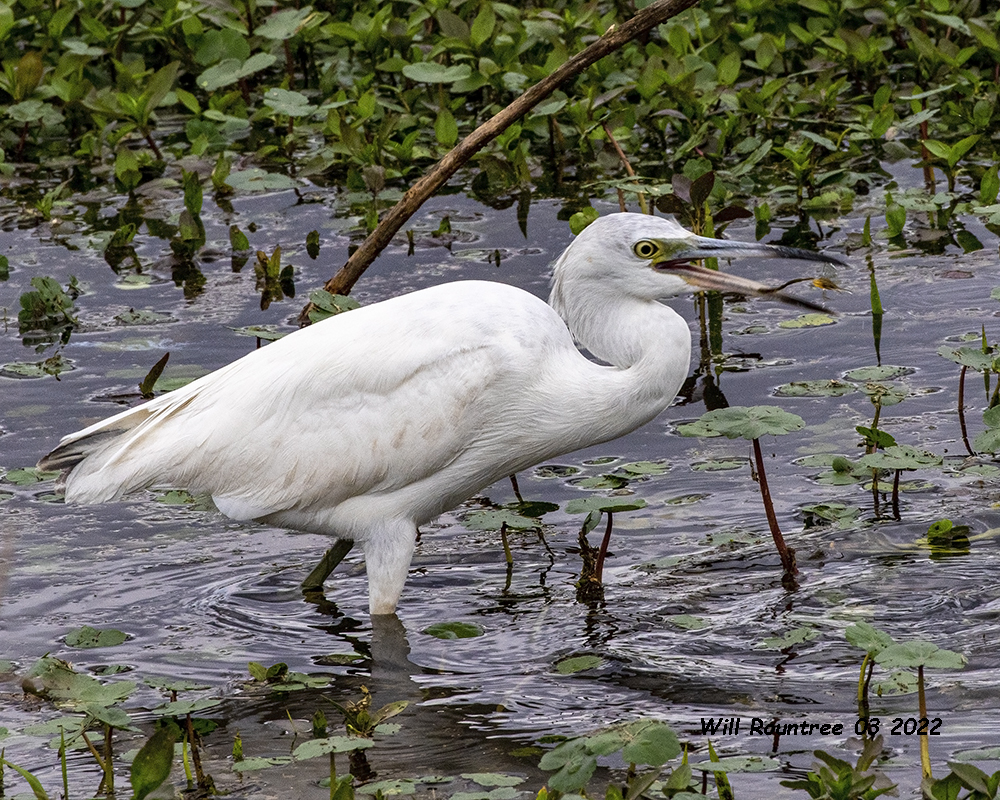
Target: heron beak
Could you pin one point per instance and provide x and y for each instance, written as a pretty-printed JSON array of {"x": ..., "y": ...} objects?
[{"x": 698, "y": 247}]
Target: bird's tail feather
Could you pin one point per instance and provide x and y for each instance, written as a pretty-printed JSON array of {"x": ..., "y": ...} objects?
[{"x": 107, "y": 460}]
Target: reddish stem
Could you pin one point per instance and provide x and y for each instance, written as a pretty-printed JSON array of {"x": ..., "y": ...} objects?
[{"x": 786, "y": 553}]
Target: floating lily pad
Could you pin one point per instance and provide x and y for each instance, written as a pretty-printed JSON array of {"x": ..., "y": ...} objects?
[
  {"x": 29, "y": 476},
  {"x": 134, "y": 281},
  {"x": 900, "y": 456},
  {"x": 555, "y": 471},
  {"x": 790, "y": 639},
  {"x": 569, "y": 666},
  {"x": 55, "y": 365},
  {"x": 719, "y": 464},
  {"x": 586, "y": 505},
  {"x": 818, "y": 388},
  {"x": 253, "y": 764},
  {"x": 454, "y": 630},
  {"x": 814, "y": 320},
  {"x": 885, "y": 394},
  {"x": 267, "y": 333},
  {"x": 687, "y": 622},
  {"x": 314, "y": 748},
  {"x": 839, "y": 513},
  {"x": 746, "y": 422},
  {"x": 645, "y": 467},
  {"x": 738, "y": 764},
  {"x": 492, "y": 778},
  {"x": 884, "y": 372},
  {"x": 142, "y": 317},
  {"x": 601, "y": 482},
  {"x": 983, "y": 754},
  {"x": 493, "y": 520},
  {"x": 88, "y": 637},
  {"x": 180, "y": 708},
  {"x": 255, "y": 179},
  {"x": 388, "y": 788}
]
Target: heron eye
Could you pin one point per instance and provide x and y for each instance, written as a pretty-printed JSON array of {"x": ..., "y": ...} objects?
[{"x": 645, "y": 249}]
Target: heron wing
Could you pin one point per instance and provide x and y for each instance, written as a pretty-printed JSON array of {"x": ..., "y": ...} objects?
[{"x": 365, "y": 402}]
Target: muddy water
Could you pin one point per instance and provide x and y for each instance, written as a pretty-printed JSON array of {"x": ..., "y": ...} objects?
[{"x": 695, "y": 618}]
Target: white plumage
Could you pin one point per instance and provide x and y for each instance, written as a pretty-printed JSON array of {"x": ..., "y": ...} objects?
[{"x": 370, "y": 423}]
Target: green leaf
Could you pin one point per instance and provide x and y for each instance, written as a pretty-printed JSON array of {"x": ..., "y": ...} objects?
[
  {"x": 790, "y": 639},
  {"x": 900, "y": 456},
  {"x": 569, "y": 666},
  {"x": 738, "y": 764},
  {"x": 988, "y": 441},
  {"x": 33, "y": 782},
  {"x": 255, "y": 179},
  {"x": 586, "y": 505},
  {"x": 651, "y": 743},
  {"x": 180, "y": 708},
  {"x": 493, "y": 520},
  {"x": 581, "y": 219},
  {"x": 159, "y": 86},
  {"x": 432, "y": 72},
  {"x": 895, "y": 218},
  {"x": 483, "y": 25},
  {"x": 813, "y": 320},
  {"x": 492, "y": 778},
  {"x": 238, "y": 240},
  {"x": 878, "y": 373},
  {"x": 645, "y": 467},
  {"x": 151, "y": 765},
  {"x": 746, "y": 422},
  {"x": 989, "y": 186},
  {"x": 289, "y": 104},
  {"x": 687, "y": 622},
  {"x": 285, "y": 24},
  {"x": 817, "y": 388},
  {"x": 87, "y": 637},
  {"x": 332, "y": 744},
  {"x": 231, "y": 70},
  {"x": 454, "y": 630},
  {"x": 29, "y": 475},
  {"x": 867, "y": 637},
  {"x": 915, "y": 654},
  {"x": 445, "y": 128}
]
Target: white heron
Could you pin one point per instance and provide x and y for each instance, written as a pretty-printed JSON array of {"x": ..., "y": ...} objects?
[{"x": 371, "y": 423}]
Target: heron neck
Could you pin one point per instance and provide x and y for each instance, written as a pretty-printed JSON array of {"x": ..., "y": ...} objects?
[{"x": 626, "y": 332}]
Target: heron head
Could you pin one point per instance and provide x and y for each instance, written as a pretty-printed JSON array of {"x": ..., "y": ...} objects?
[{"x": 652, "y": 257}]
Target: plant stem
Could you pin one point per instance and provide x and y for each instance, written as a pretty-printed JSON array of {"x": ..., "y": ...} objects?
[
  {"x": 786, "y": 553},
  {"x": 961, "y": 410},
  {"x": 925, "y": 752},
  {"x": 628, "y": 169},
  {"x": 895, "y": 494},
  {"x": 516, "y": 488},
  {"x": 599, "y": 572}
]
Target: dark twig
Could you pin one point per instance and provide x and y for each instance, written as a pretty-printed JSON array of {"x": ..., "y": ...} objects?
[{"x": 786, "y": 553}]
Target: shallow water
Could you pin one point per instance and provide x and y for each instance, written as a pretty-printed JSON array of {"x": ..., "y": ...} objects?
[{"x": 200, "y": 595}]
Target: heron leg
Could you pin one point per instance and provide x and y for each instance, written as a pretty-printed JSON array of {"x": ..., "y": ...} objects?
[
  {"x": 387, "y": 561},
  {"x": 314, "y": 580}
]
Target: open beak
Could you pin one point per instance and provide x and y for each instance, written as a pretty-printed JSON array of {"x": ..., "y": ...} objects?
[{"x": 698, "y": 247}]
